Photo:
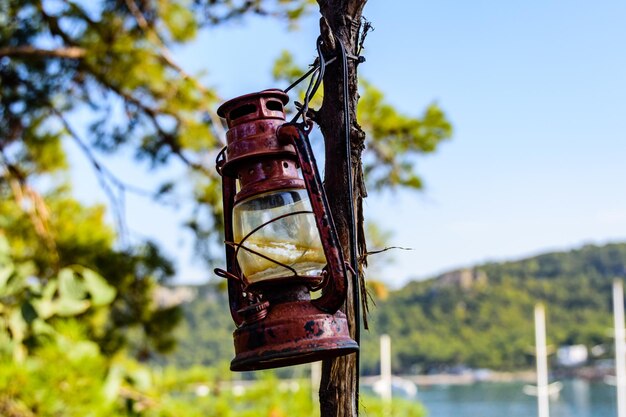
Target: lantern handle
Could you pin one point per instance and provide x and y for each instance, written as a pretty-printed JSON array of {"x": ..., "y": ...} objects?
[{"x": 334, "y": 290}]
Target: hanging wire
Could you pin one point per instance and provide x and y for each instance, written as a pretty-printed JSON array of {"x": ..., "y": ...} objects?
[
  {"x": 314, "y": 83},
  {"x": 318, "y": 71},
  {"x": 315, "y": 66},
  {"x": 356, "y": 284}
]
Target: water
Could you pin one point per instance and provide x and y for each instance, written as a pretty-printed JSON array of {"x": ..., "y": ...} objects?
[{"x": 578, "y": 398}]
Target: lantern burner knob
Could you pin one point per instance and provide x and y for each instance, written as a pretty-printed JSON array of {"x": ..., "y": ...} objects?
[{"x": 254, "y": 312}]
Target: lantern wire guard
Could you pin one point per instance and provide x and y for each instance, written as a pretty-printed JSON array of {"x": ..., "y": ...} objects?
[{"x": 314, "y": 282}]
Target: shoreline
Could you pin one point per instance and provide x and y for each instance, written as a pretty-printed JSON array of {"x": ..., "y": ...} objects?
[
  {"x": 527, "y": 376},
  {"x": 471, "y": 378}
]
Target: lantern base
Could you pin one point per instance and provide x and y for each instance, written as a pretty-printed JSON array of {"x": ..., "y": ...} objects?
[{"x": 293, "y": 333}]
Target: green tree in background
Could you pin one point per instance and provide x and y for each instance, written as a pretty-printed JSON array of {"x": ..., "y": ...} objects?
[{"x": 440, "y": 324}]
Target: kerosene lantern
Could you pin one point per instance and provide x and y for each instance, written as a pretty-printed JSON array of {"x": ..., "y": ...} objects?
[{"x": 280, "y": 239}]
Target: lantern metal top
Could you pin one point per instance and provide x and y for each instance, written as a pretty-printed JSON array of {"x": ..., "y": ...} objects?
[
  {"x": 252, "y": 123},
  {"x": 264, "y": 104}
]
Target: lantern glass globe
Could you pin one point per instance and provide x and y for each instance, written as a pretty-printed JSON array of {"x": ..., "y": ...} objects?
[{"x": 288, "y": 235}]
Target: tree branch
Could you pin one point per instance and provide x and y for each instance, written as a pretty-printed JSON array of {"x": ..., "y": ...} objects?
[
  {"x": 375, "y": 252},
  {"x": 166, "y": 55},
  {"x": 71, "y": 52},
  {"x": 152, "y": 113},
  {"x": 104, "y": 176}
]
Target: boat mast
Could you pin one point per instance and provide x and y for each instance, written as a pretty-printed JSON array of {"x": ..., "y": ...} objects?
[
  {"x": 620, "y": 346},
  {"x": 385, "y": 366},
  {"x": 542, "y": 361}
]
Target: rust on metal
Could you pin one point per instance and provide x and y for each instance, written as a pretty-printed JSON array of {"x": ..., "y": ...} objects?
[
  {"x": 292, "y": 333},
  {"x": 277, "y": 322},
  {"x": 252, "y": 122}
]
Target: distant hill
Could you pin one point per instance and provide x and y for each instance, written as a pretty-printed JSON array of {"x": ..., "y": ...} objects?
[{"x": 479, "y": 317}]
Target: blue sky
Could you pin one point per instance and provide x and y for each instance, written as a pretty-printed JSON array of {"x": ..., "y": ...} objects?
[{"x": 536, "y": 92}]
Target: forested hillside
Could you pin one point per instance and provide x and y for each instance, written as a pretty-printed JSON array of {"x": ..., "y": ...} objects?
[{"x": 480, "y": 317}]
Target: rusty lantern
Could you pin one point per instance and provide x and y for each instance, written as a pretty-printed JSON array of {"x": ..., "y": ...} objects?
[{"x": 280, "y": 239}]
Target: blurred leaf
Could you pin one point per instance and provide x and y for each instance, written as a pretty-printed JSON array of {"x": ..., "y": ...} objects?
[
  {"x": 44, "y": 308},
  {"x": 28, "y": 312},
  {"x": 85, "y": 349},
  {"x": 66, "y": 307},
  {"x": 285, "y": 68},
  {"x": 41, "y": 328},
  {"x": 179, "y": 20},
  {"x": 70, "y": 286},
  {"x": 394, "y": 139},
  {"x": 100, "y": 291},
  {"x": 17, "y": 326},
  {"x": 113, "y": 382},
  {"x": 5, "y": 273},
  {"x": 49, "y": 290}
]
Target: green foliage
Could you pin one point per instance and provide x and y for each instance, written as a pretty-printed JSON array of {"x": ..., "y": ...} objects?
[
  {"x": 489, "y": 322},
  {"x": 26, "y": 389},
  {"x": 179, "y": 19},
  {"x": 285, "y": 69},
  {"x": 267, "y": 396},
  {"x": 85, "y": 385},
  {"x": 50, "y": 367},
  {"x": 393, "y": 139},
  {"x": 110, "y": 61},
  {"x": 58, "y": 237},
  {"x": 436, "y": 324},
  {"x": 42, "y": 345},
  {"x": 29, "y": 306},
  {"x": 373, "y": 406},
  {"x": 205, "y": 335}
]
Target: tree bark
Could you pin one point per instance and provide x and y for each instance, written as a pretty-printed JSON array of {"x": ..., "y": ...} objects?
[{"x": 340, "y": 21}]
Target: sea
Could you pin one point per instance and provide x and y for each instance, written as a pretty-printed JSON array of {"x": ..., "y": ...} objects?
[{"x": 578, "y": 398}]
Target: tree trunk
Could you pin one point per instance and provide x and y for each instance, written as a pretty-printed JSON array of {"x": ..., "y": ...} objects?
[{"x": 341, "y": 20}]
